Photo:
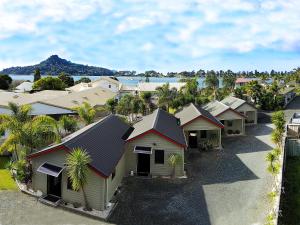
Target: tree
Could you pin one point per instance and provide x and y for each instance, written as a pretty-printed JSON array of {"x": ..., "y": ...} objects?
[
  {"x": 77, "y": 167},
  {"x": 5, "y": 81},
  {"x": 146, "y": 97},
  {"x": 174, "y": 160},
  {"x": 278, "y": 120},
  {"x": 86, "y": 113},
  {"x": 254, "y": 90},
  {"x": 37, "y": 75},
  {"x": 49, "y": 83},
  {"x": 229, "y": 81},
  {"x": 26, "y": 132},
  {"x": 212, "y": 82},
  {"x": 272, "y": 157},
  {"x": 83, "y": 80},
  {"x": 111, "y": 105},
  {"x": 68, "y": 124},
  {"x": 124, "y": 107},
  {"x": 166, "y": 95},
  {"x": 66, "y": 78}
]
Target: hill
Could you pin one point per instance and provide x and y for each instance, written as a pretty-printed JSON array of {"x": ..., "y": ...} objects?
[{"x": 55, "y": 65}]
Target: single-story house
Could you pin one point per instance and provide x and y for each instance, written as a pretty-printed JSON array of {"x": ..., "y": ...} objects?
[
  {"x": 242, "y": 107},
  {"x": 154, "y": 139},
  {"x": 233, "y": 121},
  {"x": 26, "y": 86},
  {"x": 107, "y": 83},
  {"x": 288, "y": 94},
  {"x": 200, "y": 126},
  {"x": 242, "y": 81},
  {"x": 104, "y": 141}
]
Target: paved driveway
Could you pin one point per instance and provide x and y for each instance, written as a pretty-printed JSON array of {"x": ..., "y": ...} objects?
[{"x": 227, "y": 187}]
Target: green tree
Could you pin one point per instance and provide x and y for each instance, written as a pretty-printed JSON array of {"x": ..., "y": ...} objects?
[
  {"x": 254, "y": 90},
  {"x": 86, "y": 113},
  {"x": 278, "y": 119},
  {"x": 49, "y": 83},
  {"x": 111, "y": 105},
  {"x": 37, "y": 75},
  {"x": 5, "y": 81},
  {"x": 66, "y": 78},
  {"x": 229, "y": 81},
  {"x": 26, "y": 133},
  {"x": 212, "y": 82},
  {"x": 83, "y": 80},
  {"x": 146, "y": 97},
  {"x": 77, "y": 167},
  {"x": 166, "y": 95},
  {"x": 68, "y": 124},
  {"x": 174, "y": 160}
]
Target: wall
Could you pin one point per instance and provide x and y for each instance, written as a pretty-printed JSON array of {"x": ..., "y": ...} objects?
[
  {"x": 293, "y": 147},
  {"x": 237, "y": 122},
  {"x": 161, "y": 144},
  {"x": 249, "y": 111},
  {"x": 200, "y": 124},
  {"x": 94, "y": 188},
  {"x": 105, "y": 84}
]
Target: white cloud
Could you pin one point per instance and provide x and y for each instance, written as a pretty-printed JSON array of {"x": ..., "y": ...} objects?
[{"x": 147, "y": 47}]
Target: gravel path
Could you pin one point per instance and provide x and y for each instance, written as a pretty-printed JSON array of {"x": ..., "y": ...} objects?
[{"x": 17, "y": 208}]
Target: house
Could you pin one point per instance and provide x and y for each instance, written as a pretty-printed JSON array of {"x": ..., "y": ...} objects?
[
  {"x": 242, "y": 107},
  {"x": 233, "y": 121},
  {"x": 200, "y": 126},
  {"x": 151, "y": 143},
  {"x": 242, "y": 81},
  {"x": 106, "y": 83},
  {"x": 96, "y": 96},
  {"x": 151, "y": 86},
  {"x": 288, "y": 94},
  {"x": 104, "y": 141},
  {"x": 26, "y": 86}
]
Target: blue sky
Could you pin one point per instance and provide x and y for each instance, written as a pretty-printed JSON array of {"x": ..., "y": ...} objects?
[{"x": 165, "y": 35}]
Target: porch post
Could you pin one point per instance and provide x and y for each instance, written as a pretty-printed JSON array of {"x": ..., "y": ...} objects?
[{"x": 220, "y": 138}]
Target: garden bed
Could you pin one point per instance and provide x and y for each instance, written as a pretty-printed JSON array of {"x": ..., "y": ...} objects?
[{"x": 6, "y": 181}]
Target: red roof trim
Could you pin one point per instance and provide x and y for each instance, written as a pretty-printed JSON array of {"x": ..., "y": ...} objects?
[
  {"x": 152, "y": 131},
  {"x": 205, "y": 118},
  {"x": 232, "y": 111},
  {"x": 63, "y": 147}
]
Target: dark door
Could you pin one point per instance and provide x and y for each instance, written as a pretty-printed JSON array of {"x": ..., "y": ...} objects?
[
  {"x": 193, "y": 141},
  {"x": 143, "y": 164},
  {"x": 54, "y": 185}
]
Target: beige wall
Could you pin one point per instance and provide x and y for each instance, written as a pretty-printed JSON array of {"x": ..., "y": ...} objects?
[
  {"x": 161, "y": 144},
  {"x": 200, "y": 124},
  {"x": 94, "y": 188},
  {"x": 249, "y": 111},
  {"x": 238, "y": 122}
]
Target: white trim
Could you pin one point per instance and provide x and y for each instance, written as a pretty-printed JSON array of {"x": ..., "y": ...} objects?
[{"x": 141, "y": 151}]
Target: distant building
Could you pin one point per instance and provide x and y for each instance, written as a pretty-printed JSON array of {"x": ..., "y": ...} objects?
[{"x": 26, "y": 86}]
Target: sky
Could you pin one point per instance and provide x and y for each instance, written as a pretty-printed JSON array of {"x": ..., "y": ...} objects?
[{"x": 164, "y": 35}]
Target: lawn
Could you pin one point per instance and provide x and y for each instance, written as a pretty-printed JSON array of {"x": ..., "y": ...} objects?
[
  {"x": 290, "y": 204},
  {"x": 6, "y": 182}
]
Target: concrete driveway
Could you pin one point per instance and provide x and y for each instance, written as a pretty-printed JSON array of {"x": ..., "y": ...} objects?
[{"x": 227, "y": 187}]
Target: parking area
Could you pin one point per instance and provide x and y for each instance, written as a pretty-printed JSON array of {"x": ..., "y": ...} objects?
[{"x": 224, "y": 187}]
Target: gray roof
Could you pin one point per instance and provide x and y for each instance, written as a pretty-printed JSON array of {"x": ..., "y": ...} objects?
[
  {"x": 192, "y": 111},
  {"x": 104, "y": 141},
  {"x": 216, "y": 107},
  {"x": 234, "y": 102},
  {"x": 162, "y": 122}
]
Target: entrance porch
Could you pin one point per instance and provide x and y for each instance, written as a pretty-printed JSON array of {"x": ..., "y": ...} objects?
[{"x": 204, "y": 138}]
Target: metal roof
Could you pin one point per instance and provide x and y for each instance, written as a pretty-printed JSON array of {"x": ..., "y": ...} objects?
[
  {"x": 162, "y": 122},
  {"x": 233, "y": 102}
]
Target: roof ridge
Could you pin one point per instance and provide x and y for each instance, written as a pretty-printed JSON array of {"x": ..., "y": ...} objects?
[
  {"x": 195, "y": 107},
  {"x": 156, "y": 119},
  {"x": 93, "y": 125}
]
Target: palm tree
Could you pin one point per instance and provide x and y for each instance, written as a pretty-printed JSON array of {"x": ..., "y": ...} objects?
[
  {"x": 68, "y": 124},
  {"x": 271, "y": 157},
  {"x": 166, "y": 95},
  {"x": 274, "y": 168},
  {"x": 111, "y": 105},
  {"x": 278, "y": 120},
  {"x": 146, "y": 97},
  {"x": 87, "y": 113},
  {"x": 212, "y": 82},
  {"x": 77, "y": 166},
  {"x": 26, "y": 132},
  {"x": 254, "y": 90},
  {"x": 174, "y": 160},
  {"x": 229, "y": 81},
  {"x": 277, "y": 137},
  {"x": 125, "y": 106}
]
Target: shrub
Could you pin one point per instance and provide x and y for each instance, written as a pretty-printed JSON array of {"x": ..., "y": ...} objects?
[{"x": 229, "y": 131}]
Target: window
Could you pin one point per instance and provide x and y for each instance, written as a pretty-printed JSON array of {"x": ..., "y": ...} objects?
[
  {"x": 203, "y": 133},
  {"x": 229, "y": 123},
  {"x": 159, "y": 156},
  {"x": 113, "y": 174}
]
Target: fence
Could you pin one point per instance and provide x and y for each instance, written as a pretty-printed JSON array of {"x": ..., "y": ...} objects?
[{"x": 293, "y": 147}]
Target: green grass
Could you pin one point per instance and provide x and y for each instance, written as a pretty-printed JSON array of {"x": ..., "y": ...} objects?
[
  {"x": 291, "y": 199},
  {"x": 6, "y": 181}
]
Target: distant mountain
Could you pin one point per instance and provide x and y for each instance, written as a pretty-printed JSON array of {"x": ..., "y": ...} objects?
[{"x": 55, "y": 65}]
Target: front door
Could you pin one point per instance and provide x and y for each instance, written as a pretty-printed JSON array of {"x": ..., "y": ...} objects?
[
  {"x": 54, "y": 185},
  {"x": 193, "y": 140},
  {"x": 143, "y": 164}
]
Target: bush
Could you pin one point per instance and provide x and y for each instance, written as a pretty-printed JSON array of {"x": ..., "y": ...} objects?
[
  {"x": 229, "y": 131},
  {"x": 237, "y": 132},
  {"x": 49, "y": 83}
]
